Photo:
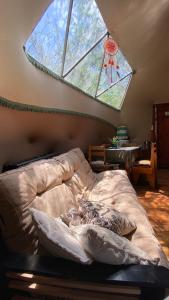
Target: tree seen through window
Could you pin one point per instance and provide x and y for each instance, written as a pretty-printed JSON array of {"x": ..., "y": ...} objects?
[{"x": 68, "y": 40}]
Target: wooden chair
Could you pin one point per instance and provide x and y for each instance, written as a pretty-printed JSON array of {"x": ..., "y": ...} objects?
[
  {"x": 97, "y": 158},
  {"x": 148, "y": 168}
]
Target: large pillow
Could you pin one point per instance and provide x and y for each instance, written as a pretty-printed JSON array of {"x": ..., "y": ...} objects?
[
  {"x": 39, "y": 185},
  {"x": 99, "y": 214},
  {"x": 56, "y": 237},
  {"x": 107, "y": 247}
]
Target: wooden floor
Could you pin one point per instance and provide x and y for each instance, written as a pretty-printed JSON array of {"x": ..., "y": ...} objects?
[{"x": 156, "y": 203}]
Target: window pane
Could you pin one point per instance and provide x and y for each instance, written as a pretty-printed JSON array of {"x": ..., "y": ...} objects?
[
  {"x": 86, "y": 27},
  {"x": 46, "y": 43},
  {"x": 113, "y": 75},
  {"x": 115, "y": 95},
  {"x": 124, "y": 67},
  {"x": 48, "y": 40},
  {"x": 86, "y": 74}
]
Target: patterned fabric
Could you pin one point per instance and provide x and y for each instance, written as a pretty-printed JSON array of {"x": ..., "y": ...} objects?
[
  {"x": 107, "y": 247},
  {"x": 99, "y": 214}
]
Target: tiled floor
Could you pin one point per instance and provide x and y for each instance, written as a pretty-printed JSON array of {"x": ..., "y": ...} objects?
[{"x": 156, "y": 203}]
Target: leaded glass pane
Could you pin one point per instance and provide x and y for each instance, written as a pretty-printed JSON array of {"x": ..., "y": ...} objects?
[
  {"x": 46, "y": 42},
  {"x": 86, "y": 74},
  {"x": 113, "y": 75},
  {"x": 75, "y": 47},
  {"x": 124, "y": 67},
  {"x": 86, "y": 27},
  {"x": 115, "y": 95}
]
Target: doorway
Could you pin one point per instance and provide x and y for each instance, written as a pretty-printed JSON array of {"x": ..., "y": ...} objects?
[{"x": 161, "y": 127}]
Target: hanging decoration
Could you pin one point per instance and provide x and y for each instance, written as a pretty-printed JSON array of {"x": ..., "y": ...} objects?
[{"x": 110, "y": 61}]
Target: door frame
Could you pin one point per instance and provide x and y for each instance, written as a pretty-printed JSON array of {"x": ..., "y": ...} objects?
[{"x": 155, "y": 134}]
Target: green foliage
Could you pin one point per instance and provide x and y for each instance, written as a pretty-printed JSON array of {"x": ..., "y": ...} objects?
[
  {"x": 115, "y": 95},
  {"x": 86, "y": 74},
  {"x": 86, "y": 27}
]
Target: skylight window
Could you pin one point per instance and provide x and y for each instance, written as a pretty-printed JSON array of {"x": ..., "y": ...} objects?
[{"x": 68, "y": 41}]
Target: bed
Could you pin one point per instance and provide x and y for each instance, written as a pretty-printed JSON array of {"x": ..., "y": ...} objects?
[{"x": 53, "y": 186}]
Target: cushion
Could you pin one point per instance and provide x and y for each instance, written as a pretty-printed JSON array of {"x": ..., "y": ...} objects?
[
  {"x": 107, "y": 247},
  {"x": 143, "y": 162},
  {"x": 56, "y": 237},
  {"x": 99, "y": 214},
  {"x": 51, "y": 185}
]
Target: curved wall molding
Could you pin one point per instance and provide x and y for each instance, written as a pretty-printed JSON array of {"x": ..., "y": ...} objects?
[
  {"x": 44, "y": 69},
  {"x": 34, "y": 108}
]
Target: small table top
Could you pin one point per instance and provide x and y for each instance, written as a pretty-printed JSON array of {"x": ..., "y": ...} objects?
[{"x": 130, "y": 148}]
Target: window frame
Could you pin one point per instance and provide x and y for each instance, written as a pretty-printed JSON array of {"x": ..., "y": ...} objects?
[{"x": 63, "y": 75}]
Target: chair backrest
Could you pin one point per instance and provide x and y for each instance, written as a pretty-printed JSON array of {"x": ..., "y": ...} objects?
[
  {"x": 97, "y": 152},
  {"x": 153, "y": 158}
]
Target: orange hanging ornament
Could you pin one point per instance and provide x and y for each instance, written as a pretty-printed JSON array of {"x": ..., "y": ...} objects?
[{"x": 111, "y": 49}]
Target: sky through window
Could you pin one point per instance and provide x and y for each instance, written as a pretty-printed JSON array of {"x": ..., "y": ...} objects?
[{"x": 68, "y": 40}]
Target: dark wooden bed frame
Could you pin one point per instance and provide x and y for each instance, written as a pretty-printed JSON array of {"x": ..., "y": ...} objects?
[
  {"x": 56, "y": 278},
  {"x": 40, "y": 277}
]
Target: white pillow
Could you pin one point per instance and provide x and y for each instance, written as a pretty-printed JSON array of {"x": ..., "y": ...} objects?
[
  {"x": 107, "y": 247},
  {"x": 57, "y": 238}
]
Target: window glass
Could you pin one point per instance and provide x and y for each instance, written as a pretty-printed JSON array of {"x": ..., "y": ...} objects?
[
  {"x": 86, "y": 27},
  {"x": 115, "y": 95},
  {"x": 46, "y": 42},
  {"x": 113, "y": 75},
  {"x": 69, "y": 41},
  {"x": 86, "y": 74}
]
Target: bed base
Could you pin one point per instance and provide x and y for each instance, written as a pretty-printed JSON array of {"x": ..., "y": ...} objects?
[{"x": 49, "y": 278}]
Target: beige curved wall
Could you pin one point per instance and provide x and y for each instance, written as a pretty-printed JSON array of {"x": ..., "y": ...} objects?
[
  {"x": 22, "y": 82},
  {"x": 26, "y": 134}
]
